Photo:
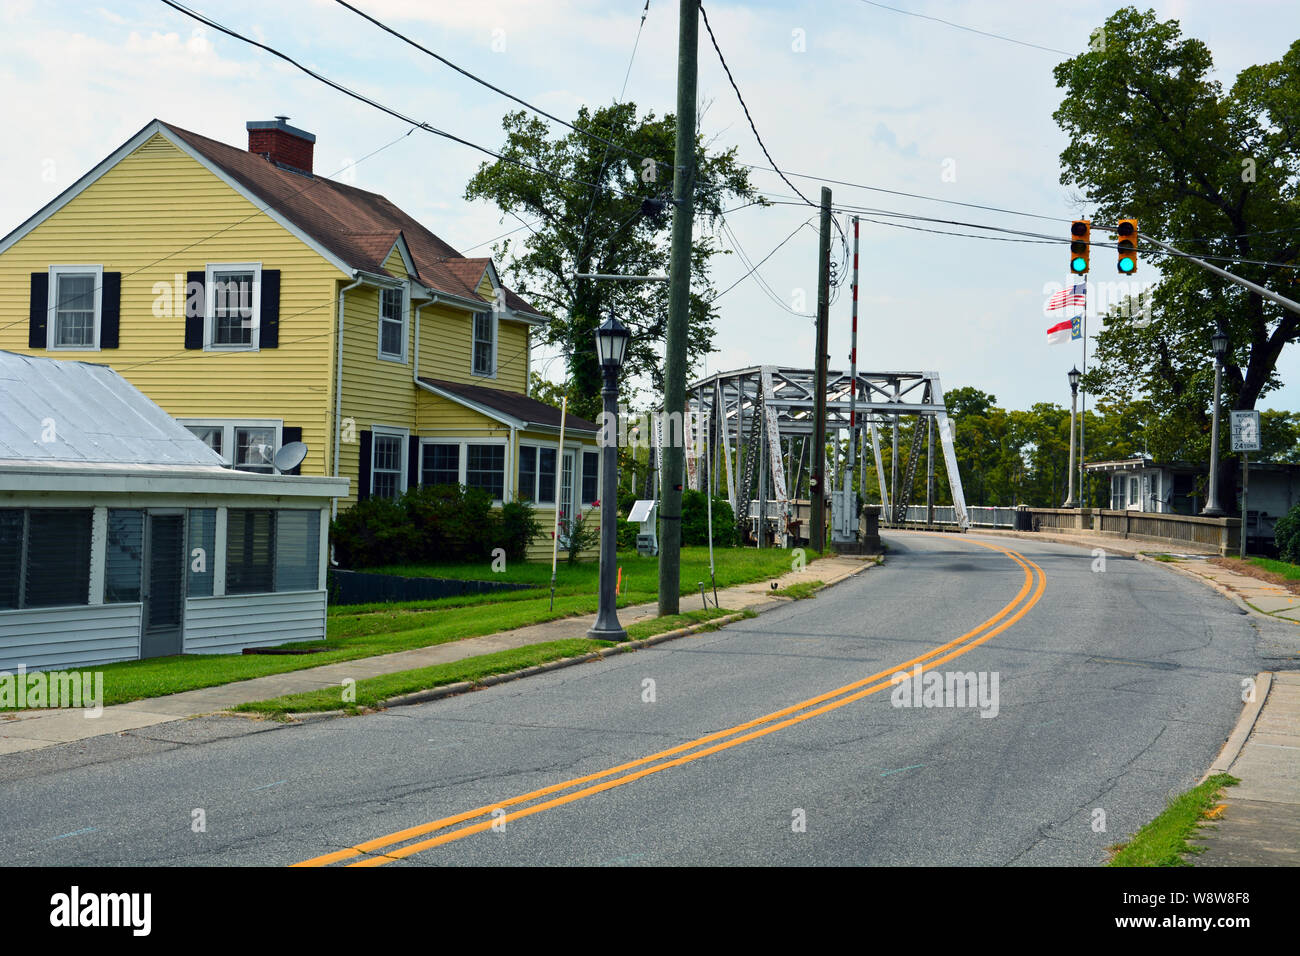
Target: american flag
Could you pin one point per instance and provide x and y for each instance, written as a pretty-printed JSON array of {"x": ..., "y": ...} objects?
[{"x": 1066, "y": 298}]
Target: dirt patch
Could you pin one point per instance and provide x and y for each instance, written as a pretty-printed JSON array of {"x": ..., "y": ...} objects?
[{"x": 1255, "y": 571}]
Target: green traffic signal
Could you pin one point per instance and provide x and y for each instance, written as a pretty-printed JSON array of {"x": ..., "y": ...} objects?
[
  {"x": 1127, "y": 265},
  {"x": 1079, "y": 264}
]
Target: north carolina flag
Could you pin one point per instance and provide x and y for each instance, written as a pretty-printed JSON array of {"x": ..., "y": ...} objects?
[
  {"x": 1076, "y": 328},
  {"x": 1060, "y": 332}
]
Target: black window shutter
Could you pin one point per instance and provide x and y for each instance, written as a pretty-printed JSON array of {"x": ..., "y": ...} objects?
[
  {"x": 363, "y": 468},
  {"x": 40, "y": 310},
  {"x": 111, "y": 309},
  {"x": 413, "y": 462},
  {"x": 268, "y": 335},
  {"x": 291, "y": 433},
  {"x": 195, "y": 308}
]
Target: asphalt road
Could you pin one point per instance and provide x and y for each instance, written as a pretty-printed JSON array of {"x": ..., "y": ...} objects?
[{"x": 1116, "y": 689}]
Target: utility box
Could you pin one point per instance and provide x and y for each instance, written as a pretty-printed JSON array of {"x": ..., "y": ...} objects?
[
  {"x": 646, "y": 512},
  {"x": 844, "y": 515}
]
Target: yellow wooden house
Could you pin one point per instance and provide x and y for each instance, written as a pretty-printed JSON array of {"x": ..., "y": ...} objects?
[{"x": 260, "y": 304}]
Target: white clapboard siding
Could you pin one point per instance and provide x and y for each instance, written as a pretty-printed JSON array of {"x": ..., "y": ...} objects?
[
  {"x": 228, "y": 624},
  {"x": 58, "y": 637}
]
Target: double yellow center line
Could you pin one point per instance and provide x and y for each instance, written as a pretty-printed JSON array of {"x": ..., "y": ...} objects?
[{"x": 397, "y": 846}]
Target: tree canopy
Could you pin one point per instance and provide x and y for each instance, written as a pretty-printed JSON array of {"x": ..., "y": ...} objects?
[
  {"x": 593, "y": 218},
  {"x": 1154, "y": 137}
]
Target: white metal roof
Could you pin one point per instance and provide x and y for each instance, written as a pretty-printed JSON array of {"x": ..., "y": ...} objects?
[{"x": 68, "y": 411}]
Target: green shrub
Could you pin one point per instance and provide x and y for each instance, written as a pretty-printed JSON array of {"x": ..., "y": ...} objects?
[
  {"x": 370, "y": 529},
  {"x": 431, "y": 523},
  {"x": 627, "y": 532},
  {"x": 518, "y": 527},
  {"x": 1286, "y": 534},
  {"x": 582, "y": 532},
  {"x": 695, "y": 521}
]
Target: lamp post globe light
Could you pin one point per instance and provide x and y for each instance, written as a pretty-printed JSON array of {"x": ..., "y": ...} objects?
[
  {"x": 1073, "y": 375},
  {"x": 612, "y": 338},
  {"x": 1219, "y": 343}
]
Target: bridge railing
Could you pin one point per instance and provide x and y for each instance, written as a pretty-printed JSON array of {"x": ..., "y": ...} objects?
[
  {"x": 1191, "y": 531},
  {"x": 982, "y": 517}
]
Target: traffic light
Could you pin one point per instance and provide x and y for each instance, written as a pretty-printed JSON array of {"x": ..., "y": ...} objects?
[
  {"x": 1080, "y": 231},
  {"x": 1128, "y": 246}
]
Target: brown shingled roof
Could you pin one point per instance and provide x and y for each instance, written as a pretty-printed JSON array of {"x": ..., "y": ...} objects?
[
  {"x": 513, "y": 404},
  {"x": 358, "y": 227}
]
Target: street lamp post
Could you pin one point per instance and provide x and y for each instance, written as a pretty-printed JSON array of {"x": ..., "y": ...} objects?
[
  {"x": 1074, "y": 405},
  {"x": 1219, "y": 342},
  {"x": 611, "y": 346}
]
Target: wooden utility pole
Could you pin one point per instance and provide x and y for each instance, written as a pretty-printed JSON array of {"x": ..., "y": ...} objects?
[
  {"x": 817, "y": 489},
  {"x": 679, "y": 303}
]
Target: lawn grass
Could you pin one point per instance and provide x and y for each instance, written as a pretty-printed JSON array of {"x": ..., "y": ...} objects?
[
  {"x": 358, "y": 631},
  {"x": 372, "y": 692},
  {"x": 1163, "y": 841},
  {"x": 1289, "y": 571}
]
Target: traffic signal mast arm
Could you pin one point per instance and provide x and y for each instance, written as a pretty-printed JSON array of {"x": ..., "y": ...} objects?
[{"x": 1244, "y": 283}]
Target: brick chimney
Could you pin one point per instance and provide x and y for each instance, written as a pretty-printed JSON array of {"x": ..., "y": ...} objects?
[{"x": 281, "y": 143}]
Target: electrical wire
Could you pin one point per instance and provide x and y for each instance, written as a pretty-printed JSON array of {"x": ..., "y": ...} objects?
[
  {"x": 761, "y": 145},
  {"x": 719, "y": 295},
  {"x": 361, "y": 97},
  {"x": 496, "y": 89},
  {"x": 958, "y": 26}
]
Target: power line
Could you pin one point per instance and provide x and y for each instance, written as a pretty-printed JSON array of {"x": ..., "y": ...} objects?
[
  {"x": 761, "y": 261},
  {"x": 958, "y": 26},
  {"x": 418, "y": 124},
  {"x": 758, "y": 278},
  {"x": 496, "y": 89},
  {"x": 763, "y": 146},
  {"x": 896, "y": 192}
]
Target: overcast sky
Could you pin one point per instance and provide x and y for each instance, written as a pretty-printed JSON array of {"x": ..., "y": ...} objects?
[{"x": 838, "y": 88}]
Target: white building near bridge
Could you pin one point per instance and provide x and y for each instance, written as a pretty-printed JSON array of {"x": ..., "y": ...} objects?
[{"x": 123, "y": 536}]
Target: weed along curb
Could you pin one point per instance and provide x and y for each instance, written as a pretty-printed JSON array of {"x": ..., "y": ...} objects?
[{"x": 464, "y": 687}]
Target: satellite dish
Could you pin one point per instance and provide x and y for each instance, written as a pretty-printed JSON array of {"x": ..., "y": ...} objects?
[{"x": 290, "y": 456}]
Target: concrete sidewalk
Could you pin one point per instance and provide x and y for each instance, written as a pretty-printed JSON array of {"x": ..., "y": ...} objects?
[
  {"x": 1259, "y": 823},
  {"x": 35, "y": 729},
  {"x": 1250, "y": 593}
]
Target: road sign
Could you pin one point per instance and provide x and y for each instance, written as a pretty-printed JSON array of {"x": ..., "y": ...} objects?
[{"x": 1245, "y": 431}]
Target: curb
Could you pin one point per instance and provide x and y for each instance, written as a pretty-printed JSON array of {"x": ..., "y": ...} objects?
[
  {"x": 465, "y": 687},
  {"x": 1223, "y": 591},
  {"x": 1245, "y": 724}
]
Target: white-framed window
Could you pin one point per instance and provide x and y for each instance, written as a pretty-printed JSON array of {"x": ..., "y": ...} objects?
[
  {"x": 439, "y": 463},
  {"x": 76, "y": 303},
  {"x": 590, "y": 476},
  {"x": 246, "y": 444},
  {"x": 388, "y": 461},
  {"x": 542, "y": 474},
  {"x": 485, "y": 344},
  {"x": 392, "y": 324},
  {"x": 233, "y": 306},
  {"x": 473, "y": 462}
]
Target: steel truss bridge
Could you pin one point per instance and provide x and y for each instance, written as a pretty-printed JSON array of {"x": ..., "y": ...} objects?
[{"x": 757, "y": 424}]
